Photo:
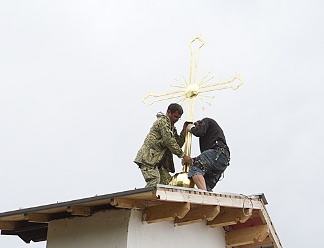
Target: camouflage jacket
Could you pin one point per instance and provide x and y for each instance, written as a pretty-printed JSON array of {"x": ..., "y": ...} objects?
[{"x": 161, "y": 142}]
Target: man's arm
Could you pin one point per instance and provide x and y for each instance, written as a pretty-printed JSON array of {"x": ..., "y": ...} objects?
[
  {"x": 181, "y": 138},
  {"x": 169, "y": 139}
]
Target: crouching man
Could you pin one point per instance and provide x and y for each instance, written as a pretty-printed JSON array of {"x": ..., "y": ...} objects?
[{"x": 207, "y": 168}]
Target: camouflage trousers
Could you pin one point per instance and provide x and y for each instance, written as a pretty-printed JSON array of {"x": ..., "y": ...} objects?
[{"x": 154, "y": 175}]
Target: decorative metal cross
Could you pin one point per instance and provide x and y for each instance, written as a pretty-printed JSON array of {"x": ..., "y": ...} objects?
[{"x": 194, "y": 88}]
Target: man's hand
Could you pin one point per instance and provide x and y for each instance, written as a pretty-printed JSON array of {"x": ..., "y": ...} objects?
[
  {"x": 187, "y": 159},
  {"x": 189, "y": 127},
  {"x": 185, "y": 125}
]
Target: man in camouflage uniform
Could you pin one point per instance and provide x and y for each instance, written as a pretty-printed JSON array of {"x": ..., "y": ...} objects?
[{"x": 155, "y": 156}]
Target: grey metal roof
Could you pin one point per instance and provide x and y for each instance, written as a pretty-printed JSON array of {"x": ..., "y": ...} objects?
[
  {"x": 82, "y": 201},
  {"x": 31, "y": 224}
]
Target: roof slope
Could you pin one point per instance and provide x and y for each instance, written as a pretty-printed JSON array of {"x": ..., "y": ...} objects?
[{"x": 244, "y": 218}]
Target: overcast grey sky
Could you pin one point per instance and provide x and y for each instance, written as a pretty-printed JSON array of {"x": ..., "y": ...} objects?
[{"x": 73, "y": 73}]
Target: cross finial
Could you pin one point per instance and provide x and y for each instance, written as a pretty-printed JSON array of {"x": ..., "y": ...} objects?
[{"x": 194, "y": 88}]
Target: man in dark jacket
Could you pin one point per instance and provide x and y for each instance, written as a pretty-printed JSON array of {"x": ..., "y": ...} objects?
[{"x": 206, "y": 169}]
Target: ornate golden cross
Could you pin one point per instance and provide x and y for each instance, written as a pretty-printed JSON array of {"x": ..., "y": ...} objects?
[{"x": 193, "y": 89}]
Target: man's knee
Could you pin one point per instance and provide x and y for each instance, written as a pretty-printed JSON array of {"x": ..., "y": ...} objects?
[{"x": 151, "y": 175}]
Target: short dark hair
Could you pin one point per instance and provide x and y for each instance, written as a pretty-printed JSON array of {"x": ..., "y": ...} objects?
[{"x": 174, "y": 107}]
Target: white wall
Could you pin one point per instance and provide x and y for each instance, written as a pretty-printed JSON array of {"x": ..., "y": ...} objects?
[
  {"x": 165, "y": 234},
  {"x": 102, "y": 229},
  {"x": 120, "y": 228}
]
